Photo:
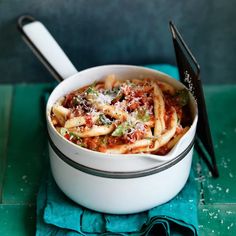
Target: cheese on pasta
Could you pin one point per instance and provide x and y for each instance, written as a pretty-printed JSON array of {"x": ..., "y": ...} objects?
[{"x": 130, "y": 116}]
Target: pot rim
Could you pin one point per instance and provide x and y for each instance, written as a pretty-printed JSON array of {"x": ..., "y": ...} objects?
[{"x": 121, "y": 174}]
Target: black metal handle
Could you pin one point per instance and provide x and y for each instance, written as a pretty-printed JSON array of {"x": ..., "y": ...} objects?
[
  {"x": 189, "y": 71},
  {"x": 23, "y": 20}
]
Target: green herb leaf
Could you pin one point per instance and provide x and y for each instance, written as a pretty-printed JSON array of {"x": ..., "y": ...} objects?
[
  {"x": 91, "y": 90},
  {"x": 115, "y": 93},
  {"x": 81, "y": 144},
  {"x": 143, "y": 115},
  {"x": 146, "y": 117},
  {"x": 115, "y": 90},
  {"x": 117, "y": 98},
  {"x": 182, "y": 97},
  {"x": 75, "y": 101},
  {"x": 131, "y": 84},
  {"x": 104, "y": 120},
  {"x": 103, "y": 140},
  {"x": 122, "y": 129},
  {"x": 119, "y": 131}
]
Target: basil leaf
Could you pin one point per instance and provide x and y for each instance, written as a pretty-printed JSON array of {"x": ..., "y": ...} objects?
[
  {"x": 117, "y": 98},
  {"x": 131, "y": 84},
  {"x": 75, "y": 101},
  {"x": 182, "y": 97},
  {"x": 104, "y": 140},
  {"x": 119, "y": 131},
  {"x": 74, "y": 135},
  {"x": 143, "y": 115},
  {"x": 91, "y": 90},
  {"x": 104, "y": 120},
  {"x": 122, "y": 129}
]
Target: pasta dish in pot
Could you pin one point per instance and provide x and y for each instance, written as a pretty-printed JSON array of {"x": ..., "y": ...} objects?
[{"x": 130, "y": 116}]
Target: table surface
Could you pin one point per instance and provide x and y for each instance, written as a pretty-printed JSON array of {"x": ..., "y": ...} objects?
[{"x": 23, "y": 158}]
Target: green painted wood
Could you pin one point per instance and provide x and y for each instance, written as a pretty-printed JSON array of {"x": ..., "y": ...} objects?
[
  {"x": 217, "y": 219},
  {"x": 17, "y": 220},
  {"x": 27, "y": 146},
  {"x": 196, "y": 165},
  {"x": 5, "y": 110},
  {"x": 221, "y": 101}
]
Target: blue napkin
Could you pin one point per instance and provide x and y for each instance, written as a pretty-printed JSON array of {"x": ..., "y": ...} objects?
[{"x": 57, "y": 215}]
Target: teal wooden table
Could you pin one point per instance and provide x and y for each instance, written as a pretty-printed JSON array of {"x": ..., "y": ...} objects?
[{"x": 23, "y": 160}]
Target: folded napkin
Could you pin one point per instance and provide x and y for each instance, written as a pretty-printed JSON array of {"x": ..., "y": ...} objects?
[{"x": 58, "y": 215}]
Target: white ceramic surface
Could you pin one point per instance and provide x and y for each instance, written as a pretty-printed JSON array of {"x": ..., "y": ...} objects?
[
  {"x": 114, "y": 162},
  {"x": 120, "y": 196}
]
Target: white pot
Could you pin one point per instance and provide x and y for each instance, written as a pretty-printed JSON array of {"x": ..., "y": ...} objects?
[{"x": 111, "y": 183}]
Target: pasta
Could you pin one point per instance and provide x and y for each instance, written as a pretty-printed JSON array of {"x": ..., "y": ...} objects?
[{"x": 121, "y": 117}]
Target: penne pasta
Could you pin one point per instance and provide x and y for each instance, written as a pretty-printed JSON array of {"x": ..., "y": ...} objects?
[
  {"x": 175, "y": 139},
  {"x": 109, "y": 81},
  {"x": 120, "y": 117},
  {"x": 94, "y": 131},
  {"x": 159, "y": 110},
  {"x": 125, "y": 148},
  {"x": 168, "y": 134},
  {"x": 136, "y": 147},
  {"x": 150, "y": 123},
  {"x": 167, "y": 88},
  {"x": 75, "y": 121},
  {"x": 60, "y": 113},
  {"x": 78, "y": 121},
  {"x": 112, "y": 111}
]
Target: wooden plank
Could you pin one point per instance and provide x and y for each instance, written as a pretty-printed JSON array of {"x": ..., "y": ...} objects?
[
  {"x": 17, "y": 220},
  {"x": 5, "y": 110},
  {"x": 217, "y": 219},
  {"x": 221, "y": 102},
  {"x": 27, "y": 146}
]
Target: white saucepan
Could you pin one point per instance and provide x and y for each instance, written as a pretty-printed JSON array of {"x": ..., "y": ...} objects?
[{"x": 110, "y": 183}]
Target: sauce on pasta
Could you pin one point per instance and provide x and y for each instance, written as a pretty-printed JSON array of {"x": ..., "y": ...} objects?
[{"x": 131, "y": 116}]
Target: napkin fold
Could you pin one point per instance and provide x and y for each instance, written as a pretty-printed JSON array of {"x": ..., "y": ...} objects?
[{"x": 57, "y": 215}]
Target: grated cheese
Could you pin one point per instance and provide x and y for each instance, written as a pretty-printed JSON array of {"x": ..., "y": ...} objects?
[{"x": 104, "y": 98}]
